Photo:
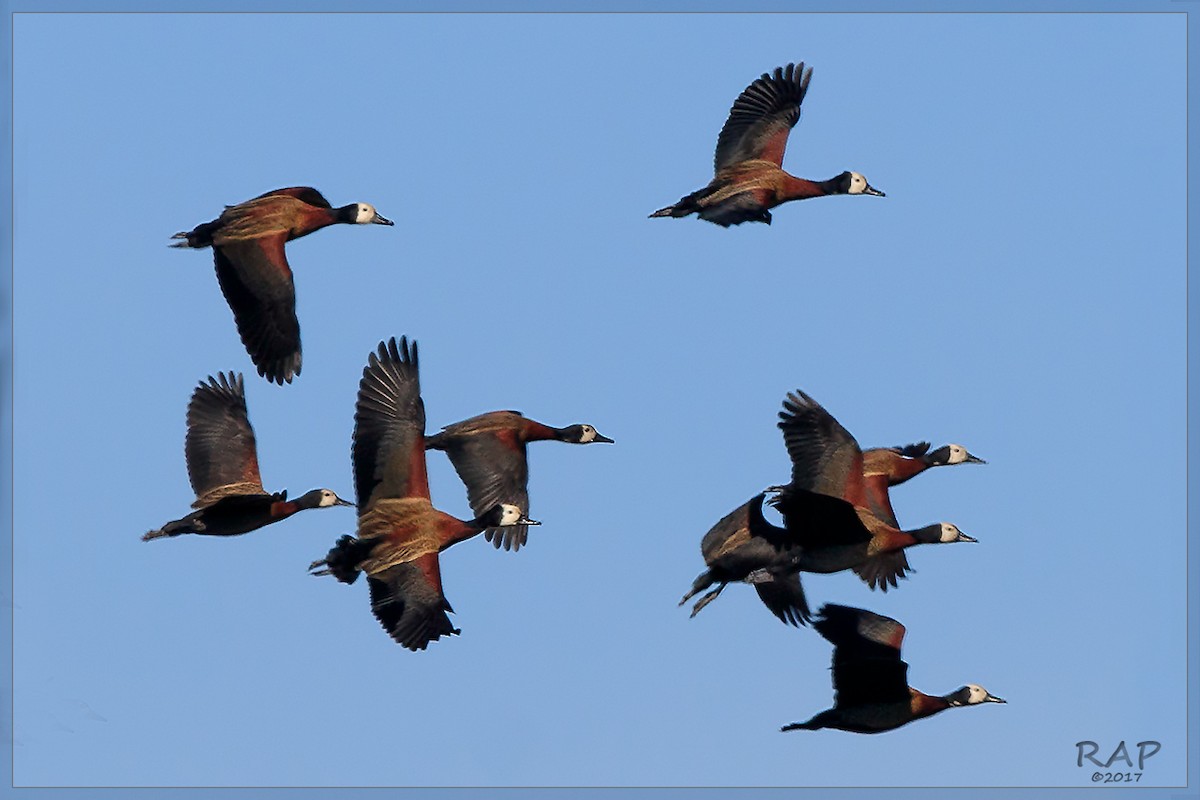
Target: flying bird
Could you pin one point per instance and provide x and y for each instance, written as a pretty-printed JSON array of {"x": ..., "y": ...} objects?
[
  {"x": 870, "y": 681},
  {"x": 749, "y": 179},
  {"x": 400, "y": 533},
  {"x": 222, "y": 463},
  {"x": 248, "y": 247},
  {"x": 884, "y": 467},
  {"x": 837, "y": 516},
  {"x": 744, "y": 548},
  {"x": 831, "y": 491},
  {"x": 488, "y": 453}
]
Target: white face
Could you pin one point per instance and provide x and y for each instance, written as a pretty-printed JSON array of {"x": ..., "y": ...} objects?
[
  {"x": 328, "y": 498},
  {"x": 975, "y": 694},
  {"x": 949, "y": 533},
  {"x": 858, "y": 184},
  {"x": 588, "y": 435},
  {"x": 958, "y": 454},
  {"x": 511, "y": 514},
  {"x": 366, "y": 213}
]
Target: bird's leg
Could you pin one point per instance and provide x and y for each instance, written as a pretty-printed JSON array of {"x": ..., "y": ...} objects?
[
  {"x": 701, "y": 583},
  {"x": 708, "y": 598}
]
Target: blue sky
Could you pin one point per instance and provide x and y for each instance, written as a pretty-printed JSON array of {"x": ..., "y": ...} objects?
[{"x": 1021, "y": 290}]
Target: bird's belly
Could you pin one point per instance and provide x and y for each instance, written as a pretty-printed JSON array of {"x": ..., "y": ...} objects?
[
  {"x": 825, "y": 560},
  {"x": 874, "y": 718}
]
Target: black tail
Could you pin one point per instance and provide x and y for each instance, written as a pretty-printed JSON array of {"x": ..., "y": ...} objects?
[
  {"x": 200, "y": 236},
  {"x": 672, "y": 211},
  {"x": 702, "y": 582},
  {"x": 343, "y": 559},
  {"x": 189, "y": 524},
  {"x": 802, "y": 726}
]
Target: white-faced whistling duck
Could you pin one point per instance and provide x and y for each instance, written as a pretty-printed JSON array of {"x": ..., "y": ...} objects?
[
  {"x": 870, "y": 681},
  {"x": 488, "y": 453},
  {"x": 884, "y": 467},
  {"x": 222, "y": 463},
  {"x": 826, "y": 507},
  {"x": 252, "y": 267},
  {"x": 743, "y": 547},
  {"x": 749, "y": 177},
  {"x": 400, "y": 533}
]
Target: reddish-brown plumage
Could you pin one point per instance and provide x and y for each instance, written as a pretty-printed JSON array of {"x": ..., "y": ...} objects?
[
  {"x": 283, "y": 509},
  {"x": 749, "y": 179},
  {"x": 884, "y": 467},
  {"x": 533, "y": 431},
  {"x": 400, "y": 533},
  {"x": 489, "y": 454},
  {"x": 924, "y": 705},
  {"x": 886, "y": 539},
  {"x": 876, "y": 497},
  {"x": 830, "y": 507},
  {"x": 252, "y": 267}
]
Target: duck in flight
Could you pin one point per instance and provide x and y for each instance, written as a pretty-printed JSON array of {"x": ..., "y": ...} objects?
[
  {"x": 252, "y": 267},
  {"x": 750, "y": 179},
  {"x": 222, "y": 463},
  {"x": 400, "y": 534}
]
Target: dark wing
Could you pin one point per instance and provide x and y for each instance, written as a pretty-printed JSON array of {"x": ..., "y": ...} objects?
[
  {"x": 883, "y": 570},
  {"x": 220, "y": 447},
  {"x": 493, "y": 467},
  {"x": 408, "y": 602},
  {"x": 915, "y": 450},
  {"x": 257, "y": 283},
  {"x": 825, "y": 457},
  {"x": 306, "y": 194},
  {"x": 389, "y": 427},
  {"x": 866, "y": 655},
  {"x": 784, "y": 596},
  {"x": 762, "y": 117},
  {"x": 818, "y": 520}
]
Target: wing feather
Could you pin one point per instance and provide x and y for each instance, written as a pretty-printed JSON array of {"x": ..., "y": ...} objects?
[
  {"x": 762, "y": 117},
  {"x": 389, "y": 427},
  {"x": 257, "y": 283},
  {"x": 407, "y": 600},
  {"x": 219, "y": 447}
]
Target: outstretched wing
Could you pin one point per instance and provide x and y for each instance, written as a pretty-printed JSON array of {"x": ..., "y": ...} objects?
[
  {"x": 915, "y": 450},
  {"x": 866, "y": 655},
  {"x": 494, "y": 468},
  {"x": 408, "y": 602},
  {"x": 784, "y": 596},
  {"x": 222, "y": 456},
  {"x": 884, "y": 569},
  {"x": 762, "y": 117},
  {"x": 825, "y": 457},
  {"x": 389, "y": 427},
  {"x": 257, "y": 283}
]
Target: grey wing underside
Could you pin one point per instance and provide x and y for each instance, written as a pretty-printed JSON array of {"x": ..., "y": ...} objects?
[
  {"x": 388, "y": 448},
  {"x": 825, "y": 458},
  {"x": 493, "y": 473},
  {"x": 220, "y": 449},
  {"x": 762, "y": 117},
  {"x": 884, "y": 570},
  {"x": 257, "y": 284},
  {"x": 784, "y": 597}
]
